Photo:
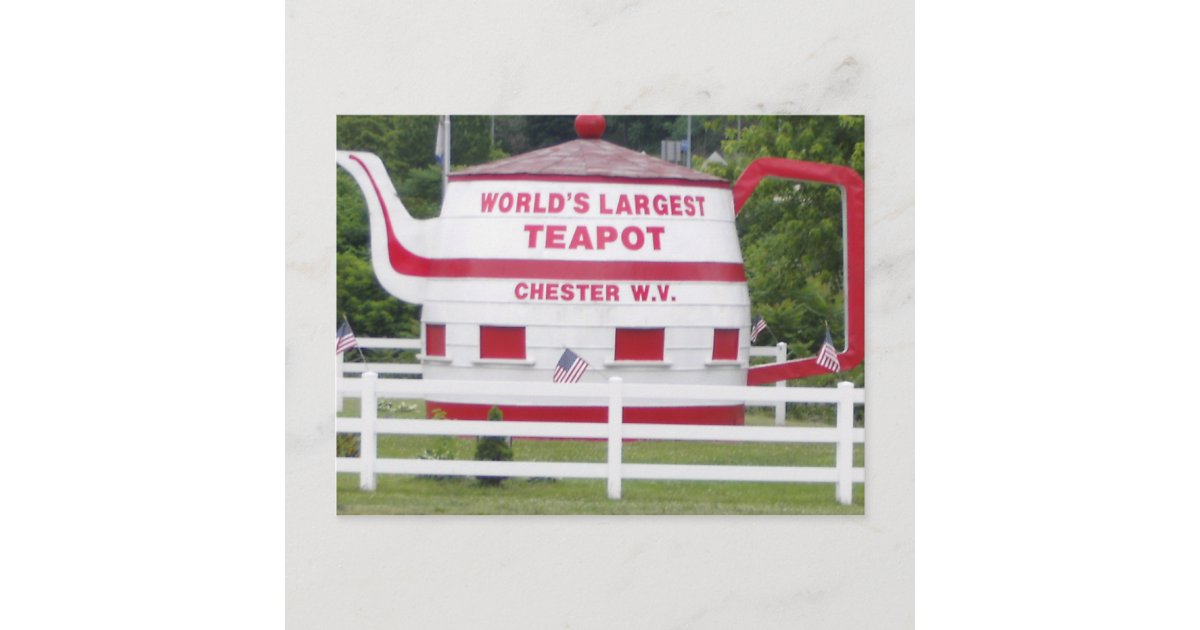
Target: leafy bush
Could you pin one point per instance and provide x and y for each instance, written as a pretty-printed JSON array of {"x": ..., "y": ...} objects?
[{"x": 493, "y": 448}]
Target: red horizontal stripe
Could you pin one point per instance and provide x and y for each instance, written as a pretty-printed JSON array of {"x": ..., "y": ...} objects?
[
  {"x": 584, "y": 270},
  {"x": 716, "y": 415},
  {"x": 594, "y": 179}
]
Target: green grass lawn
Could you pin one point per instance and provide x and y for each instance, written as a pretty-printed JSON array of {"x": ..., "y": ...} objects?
[{"x": 402, "y": 494}]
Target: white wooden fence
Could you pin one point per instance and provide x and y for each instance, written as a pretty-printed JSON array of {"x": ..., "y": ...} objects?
[
  {"x": 843, "y": 475},
  {"x": 778, "y": 351}
]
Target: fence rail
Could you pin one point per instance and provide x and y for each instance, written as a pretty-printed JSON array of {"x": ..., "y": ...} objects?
[
  {"x": 614, "y": 394},
  {"x": 778, "y": 352}
]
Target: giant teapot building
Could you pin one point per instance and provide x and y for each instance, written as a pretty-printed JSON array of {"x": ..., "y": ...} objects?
[{"x": 630, "y": 262}]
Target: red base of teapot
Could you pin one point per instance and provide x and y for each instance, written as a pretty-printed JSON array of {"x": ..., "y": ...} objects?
[{"x": 705, "y": 415}]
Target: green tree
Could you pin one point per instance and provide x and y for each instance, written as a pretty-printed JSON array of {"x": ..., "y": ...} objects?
[
  {"x": 493, "y": 448},
  {"x": 791, "y": 233}
]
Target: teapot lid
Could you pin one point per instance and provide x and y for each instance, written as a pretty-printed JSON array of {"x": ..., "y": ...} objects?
[{"x": 588, "y": 159}]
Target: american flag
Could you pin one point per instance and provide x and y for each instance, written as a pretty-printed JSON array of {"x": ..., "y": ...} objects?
[
  {"x": 760, "y": 325},
  {"x": 827, "y": 357},
  {"x": 570, "y": 368},
  {"x": 345, "y": 338}
]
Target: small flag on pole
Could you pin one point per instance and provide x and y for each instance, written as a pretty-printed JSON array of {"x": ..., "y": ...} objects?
[
  {"x": 570, "y": 368},
  {"x": 827, "y": 357},
  {"x": 760, "y": 325},
  {"x": 345, "y": 338}
]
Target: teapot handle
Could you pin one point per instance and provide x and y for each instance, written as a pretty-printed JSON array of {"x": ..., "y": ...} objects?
[{"x": 852, "y": 221}]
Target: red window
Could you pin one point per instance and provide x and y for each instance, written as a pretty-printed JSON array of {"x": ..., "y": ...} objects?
[
  {"x": 639, "y": 344},
  {"x": 725, "y": 344},
  {"x": 502, "y": 342},
  {"x": 435, "y": 340}
]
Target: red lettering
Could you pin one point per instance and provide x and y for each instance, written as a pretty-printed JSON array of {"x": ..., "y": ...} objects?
[
  {"x": 660, "y": 205},
  {"x": 523, "y": 202},
  {"x": 533, "y": 232},
  {"x": 537, "y": 291},
  {"x": 623, "y": 206},
  {"x": 631, "y": 243},
  {"x": 488, "y": 202},
  {"x": 581, "y": 203},
  {"x": 581, "y": 238},
  {"x": 551, "y": 291},
  {"x": 506, "y": 202},
  {"x": 700, "y": 200},
  {"x": 568, "y": 291},
  {"x": 690, "y": 202},
  {"x": 605, "y": 234},
  {"x": 557, "y": 203},
  {"x": 655, "y": 233},
  {"x": 517, "y": 291},
  {"x": 538, "y": 208},
  {"x": 641, "y": 204},
  {"x": 610, "y": 293},
  {"x": 595, "y": 291},
  {"x": 675, "y": 206},
  {"x": 604, "y": 209},
  {"x": 555, "y": 235}
]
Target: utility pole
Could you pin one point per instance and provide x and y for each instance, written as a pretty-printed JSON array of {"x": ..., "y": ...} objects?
[
  {"x": 688, "y": 163},
  {"x": 446, "y": 159}
]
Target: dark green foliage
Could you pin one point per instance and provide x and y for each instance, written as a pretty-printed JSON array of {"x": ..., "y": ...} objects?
[
  {"x": 493, "y": 449},
  {"x": 371, "y": 310},
  {"x": 791, "y": 233}
]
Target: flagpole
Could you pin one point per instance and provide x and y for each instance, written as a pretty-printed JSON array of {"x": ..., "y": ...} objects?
[
  {"x": 446, "y": 157},
  {"x": 356, "y": 346}
]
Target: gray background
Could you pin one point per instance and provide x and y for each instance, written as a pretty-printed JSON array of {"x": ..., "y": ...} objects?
[{"x": 594, "y": 572}]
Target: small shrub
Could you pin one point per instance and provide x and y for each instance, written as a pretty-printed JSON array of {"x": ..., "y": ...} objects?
[{"x": 493, "y": 449}]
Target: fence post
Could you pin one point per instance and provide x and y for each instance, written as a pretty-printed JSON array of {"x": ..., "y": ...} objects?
[
  {"x": 338, "y": 382},
  {"x": 781, "y": 406},
  {"x": 614, "y": 437},
  {"x": 845, "y": 442},
  {"x": 367, "y": 446}
]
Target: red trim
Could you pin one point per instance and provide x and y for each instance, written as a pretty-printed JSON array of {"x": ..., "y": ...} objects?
[
  {"x": 719, "y": 415},
  {"x": 502, "y": 342},
  {"x": 725, "y": 344},
  {"x": 406, "y": 262},
  {"x": 586, "y": 270},
  {"x": 591, "y": 179},
  {"x": 403, "y": 261},
  {"x": 639, "y": 344},
  {"x": 435, "y": 340},
  {"x": 853, "y": 192}
]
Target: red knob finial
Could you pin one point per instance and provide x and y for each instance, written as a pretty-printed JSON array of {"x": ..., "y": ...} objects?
[{"x": 589, "y": 125}]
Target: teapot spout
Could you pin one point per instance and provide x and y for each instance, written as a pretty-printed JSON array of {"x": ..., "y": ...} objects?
[{"x": 401, "y": 266}]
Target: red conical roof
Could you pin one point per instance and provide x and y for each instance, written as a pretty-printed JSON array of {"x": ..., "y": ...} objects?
[{"x": 591, "y": 159}]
